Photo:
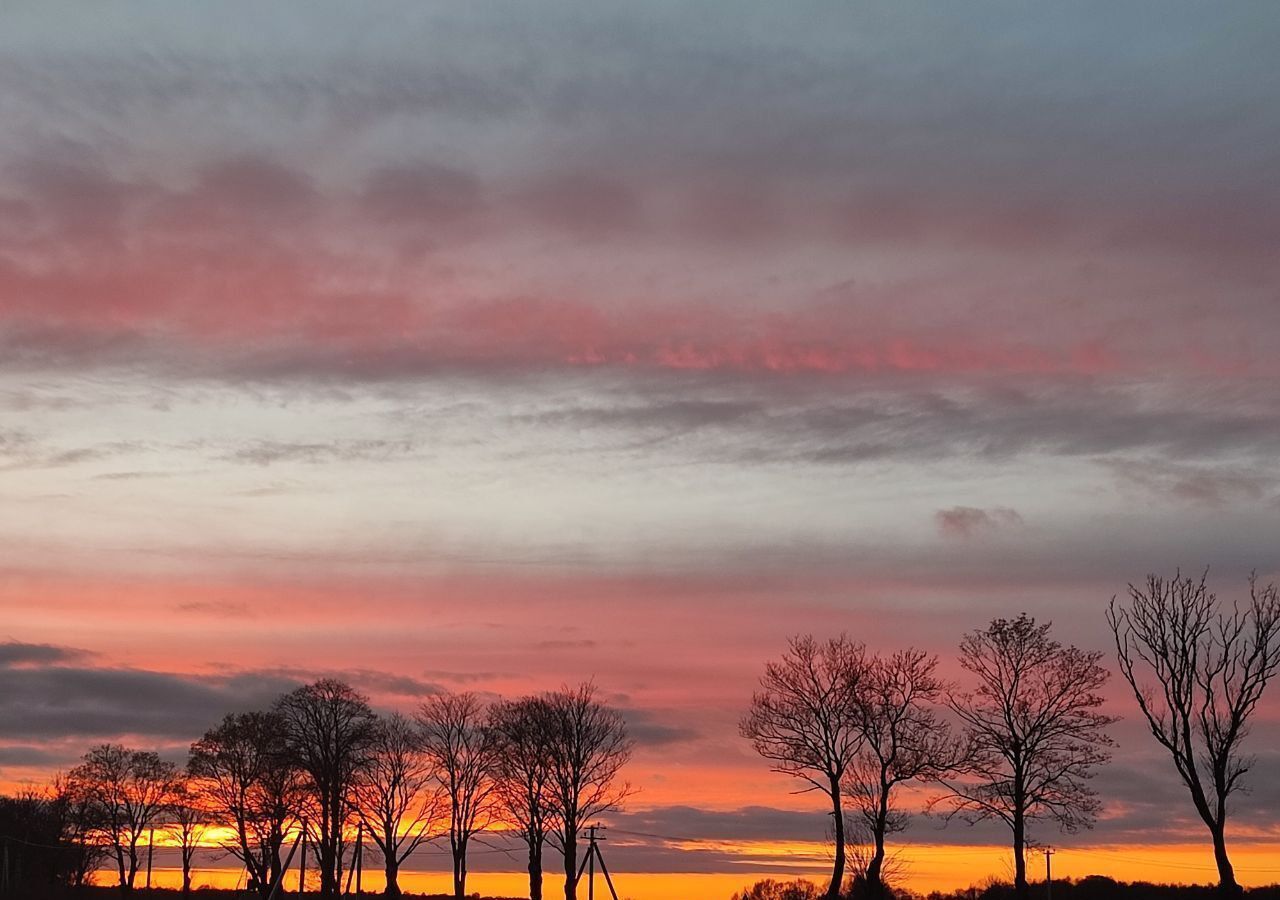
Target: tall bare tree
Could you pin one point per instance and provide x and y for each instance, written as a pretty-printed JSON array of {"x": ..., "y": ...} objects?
[
  {"x": 245, "y": 774},
  {"x": 462, "y": 749},
  {"x": 397, "y": 796},
  {"x": 329, "y": 731},
  {"x": 904, "y": 740},
  {"x": 522, "y": 774},
  {"x": 805, "y": 720},
  {"x": 1210, "y": 666},
  {"x": 1033, "y": 732},
  {"x": 588, "y": 746},
  {"x": 127, "y": 790}
]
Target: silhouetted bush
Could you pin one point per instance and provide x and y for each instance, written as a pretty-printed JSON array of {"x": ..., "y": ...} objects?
[
  {"x": 769, "y": 889},
  {"x": 1100, "y": 887}
]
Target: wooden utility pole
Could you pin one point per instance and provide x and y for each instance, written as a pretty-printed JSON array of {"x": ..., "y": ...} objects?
[
  {"x": 1048, "y": 873},
  {"x": 360, "y": 860},
  {"x": 589, "y": 862},
  {"x": 302, "y": 866},
  {"x": 355, "y": 857},
  {"x": 275, "y": 888},
  {"x": 151, "y": 844}
]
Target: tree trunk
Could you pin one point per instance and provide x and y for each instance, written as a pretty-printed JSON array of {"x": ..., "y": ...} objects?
[
  {"x": 275, "y": 865},
  {"x": 124, "y": 879},
  {"x": 391, "y": 869},
  {"x": 186, "y": 878},
  {"x": 571, "y": 868},
  {"x": 535, "y": 871},
  {"x": 133, "y": 867},
  {"x": 875, "y": 868},
  {"x": 329, "y": 886},
  {"x": 329, "y": 844},
  {"x": 459, "y": 869},
  {"x": 1020, "y": 888},
  {"x": 1227, "y": 885},
  {"x": 837, "y": 870}
]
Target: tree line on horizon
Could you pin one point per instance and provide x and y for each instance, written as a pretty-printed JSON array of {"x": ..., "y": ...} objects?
[
  {"x": 1018, "y": 745},
  {"x": 319, "y": 764},
  {"x": 1021, "y": 742}
]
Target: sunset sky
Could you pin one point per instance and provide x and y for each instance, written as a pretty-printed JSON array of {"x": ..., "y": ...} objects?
[{"x": 492, "y": 346}]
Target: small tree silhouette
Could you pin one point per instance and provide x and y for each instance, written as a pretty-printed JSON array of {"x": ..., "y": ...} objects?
[
  {"x": 462, "y": 751},
  {"x": 1033, "y": 732},
  {"x": 805, "y": 720},
  {"x": 1210, "y": 667},
  {"x": 329, "y": 731},
  {"x": 522, "y": 774},
  {"x": 246, "y": 776},
  {"x": 397, "y": 796},
  {"x": 189, "y": 821},
  {"x": 127, "y": 791},
  {"x": 904, "y": 740},
  {"x": 587, "y": 748}
]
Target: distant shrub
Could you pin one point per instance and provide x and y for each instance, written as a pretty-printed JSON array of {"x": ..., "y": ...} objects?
[{"x": 769, "y": 889}]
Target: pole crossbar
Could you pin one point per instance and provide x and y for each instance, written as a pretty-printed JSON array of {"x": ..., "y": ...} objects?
[{"x": 594, "y": 855}]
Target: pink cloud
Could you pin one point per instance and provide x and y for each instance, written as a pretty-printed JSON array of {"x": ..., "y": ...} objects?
[
  {"x": 966, "y": 522},
  {"x": 253, "y": 265}
]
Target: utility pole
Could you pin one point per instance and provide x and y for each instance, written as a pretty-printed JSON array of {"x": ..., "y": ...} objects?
[
  {"x": 275, "y": 888},
  {"x": 151, "y": 845},
  {"x": 355, "y": 857},
  {"x": 360, "y": 860},
  {"x": 589, "y": 862},
  {"x": 302, "y": 866},
  {"x": 1048, "y": 873}
]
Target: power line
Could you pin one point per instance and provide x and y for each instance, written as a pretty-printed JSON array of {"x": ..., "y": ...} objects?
[
  {"x": 1199, "y": 867},
  {"x": 1096, "y": 853},
  {"x": 661, "y": 837}
]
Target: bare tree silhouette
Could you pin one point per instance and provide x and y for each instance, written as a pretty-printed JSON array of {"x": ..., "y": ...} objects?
[
  {"x": 904, "y": 740},
  {"x": 805, "y": 720},
  {"x": 462, "y": 749},
  {"x": 247, "y": 776},
  {"x": 1033, "y": 732},
  {"x": 127, "y": 791},
  {"x": 1210, "y": 667},
  {"x": 76, "y": 825},
  {"x": 187, "y": 824},
  {"x": 40, "y": 852},
  {"x": 522, "y": 774},
  {"x": 397, "y": 796},
  {"x": 588, "y": 748},
  {"x": 329, "y": 731}
]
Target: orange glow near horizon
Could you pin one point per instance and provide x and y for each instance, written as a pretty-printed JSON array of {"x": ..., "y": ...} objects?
[{"x": 920, "y": 867}]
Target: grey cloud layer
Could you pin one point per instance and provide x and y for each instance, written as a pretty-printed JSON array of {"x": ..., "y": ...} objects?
[
  {"x": 317, "y": 185},
  {"x": 413, "y": 477},
  {"x": 900, "y": 81},
  {"x": 42, "y": 697},
  {"x": 16, "y": 653}
]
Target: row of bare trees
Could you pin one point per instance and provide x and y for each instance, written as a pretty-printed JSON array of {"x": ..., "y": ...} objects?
[
  {"x": 1022, "y": 742},
  {"x": 320, "y": 766}
]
